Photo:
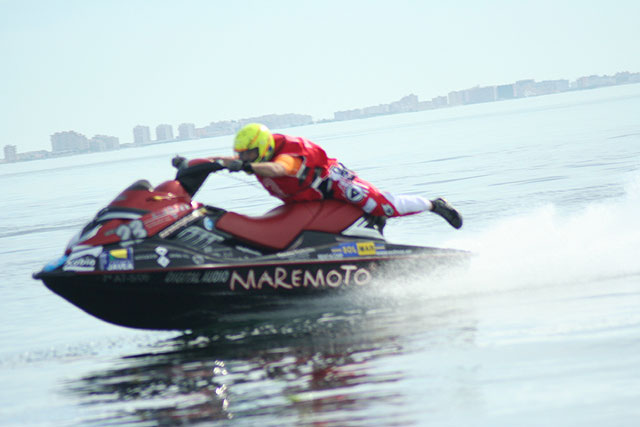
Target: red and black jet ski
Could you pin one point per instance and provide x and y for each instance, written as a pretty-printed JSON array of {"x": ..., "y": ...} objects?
[{"x": 156, "y": 259}]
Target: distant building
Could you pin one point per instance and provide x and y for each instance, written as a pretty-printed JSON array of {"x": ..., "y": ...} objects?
[
  {"x": 34, "y": 155},
  {"x": 626, "y": 77},
  {"x": 164, "y": 132},
  {"x": 201, "y": 132},
  {"x": 548, "y": 87},
  {"x": 505, "y": 92},
  {"x": 104, "y": 143},
  {"x": 634, "y": 78},
  {"x": 589, "y": 82},
  {"x": 275, "y": 121},
  {"x": 376, "y": 110},
  {"x": 456, "y": 98},
  {"x": 186, "y": 131},
  {"x": 404, "y": 105},
  {"x": 225, "y": 127},
  {"x": 439, "y": 101},
  {"x": 68, "y": 142},
  {"x": 348, "y": 114},
  {"x": 425, "y": 105},
  {"x": 10, "y": 153},
  {"x": 141, "y": 134},
  {"x": 623, "y": 78},
  {"x": 524, "y": 88},
  {"x": 480, "y": 94}
]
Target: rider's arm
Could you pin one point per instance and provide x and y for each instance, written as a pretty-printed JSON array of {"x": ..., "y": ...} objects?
[
  {"x": 269, "y": 169},
  {"x": 225, "y": 159},
  {"x": 282, "y": 165}
]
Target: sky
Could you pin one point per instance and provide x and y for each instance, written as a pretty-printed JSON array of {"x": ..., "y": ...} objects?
[{"x": 105, "y": 66}]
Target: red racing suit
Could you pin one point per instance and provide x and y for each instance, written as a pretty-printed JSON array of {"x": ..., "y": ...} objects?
[{"x": 321, "y": 177}]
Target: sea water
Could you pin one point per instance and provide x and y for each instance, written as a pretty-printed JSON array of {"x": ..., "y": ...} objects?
[{"x": 541, "y": 328}]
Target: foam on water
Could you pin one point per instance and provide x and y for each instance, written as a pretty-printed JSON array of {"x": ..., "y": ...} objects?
[
  {"x": 544, "y": 247},
  {"x": 548, "y": 246}
]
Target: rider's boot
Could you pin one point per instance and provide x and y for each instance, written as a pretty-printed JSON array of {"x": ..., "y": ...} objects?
[
  {"x": 446, "y": 211},
  {"x": 376, "y": 222}
]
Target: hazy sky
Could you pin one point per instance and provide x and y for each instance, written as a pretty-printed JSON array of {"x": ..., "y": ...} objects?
[{"x": 102, "y": 67}]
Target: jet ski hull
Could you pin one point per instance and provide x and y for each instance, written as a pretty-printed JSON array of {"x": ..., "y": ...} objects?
[{"x": 194, "y": 298}]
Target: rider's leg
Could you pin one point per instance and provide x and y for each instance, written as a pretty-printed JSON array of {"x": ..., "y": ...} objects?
[
  {"x": 375, "y": 203},
  {"x": 406, "y": 204},
  {"x": 348, "y": 187}
]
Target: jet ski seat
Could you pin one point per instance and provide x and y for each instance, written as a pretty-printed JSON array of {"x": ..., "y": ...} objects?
[{"x": 280, "y": 226}]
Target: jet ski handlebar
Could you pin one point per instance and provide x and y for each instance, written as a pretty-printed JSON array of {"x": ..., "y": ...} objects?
[{"x": 192, "y": 173}]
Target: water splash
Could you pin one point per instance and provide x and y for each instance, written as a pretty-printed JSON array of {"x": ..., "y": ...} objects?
[{"x": 549, "y": 247}]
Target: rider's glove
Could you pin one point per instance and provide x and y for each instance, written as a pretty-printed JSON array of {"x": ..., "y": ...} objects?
[
  {"x": 239, "y": 165},
  {"x": 179, "y": 162}
]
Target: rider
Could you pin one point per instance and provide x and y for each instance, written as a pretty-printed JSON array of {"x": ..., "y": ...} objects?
[{"x": 295, "y": 169}]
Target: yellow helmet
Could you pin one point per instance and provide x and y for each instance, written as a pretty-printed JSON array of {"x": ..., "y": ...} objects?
[{"x": 255, "y": 135}]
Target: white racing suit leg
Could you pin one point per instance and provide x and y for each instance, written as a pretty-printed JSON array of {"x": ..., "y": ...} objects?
[{"x": 408, "y": 204}]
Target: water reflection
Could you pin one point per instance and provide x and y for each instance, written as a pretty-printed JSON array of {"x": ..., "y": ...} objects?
[{"x": 301, "y": 365}]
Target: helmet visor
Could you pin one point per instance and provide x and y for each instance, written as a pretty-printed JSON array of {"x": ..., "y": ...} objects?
[{"x": 248, "y": 155}]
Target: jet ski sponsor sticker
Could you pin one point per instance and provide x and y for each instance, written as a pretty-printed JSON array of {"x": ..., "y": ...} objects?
[
  {"x": 181, "y": 223},
  {"x": 82, "y": 259},
  {"x": 296, "y": 253},
  {"x": 85, "y": 263},
  {"x": 126, "y": 278},
  {"x": 165, "y": 216},
  {"x": 116, "y": 259},
  {"x": 198, "y": 238},
  {"x": 356, "y": 249},
  {"x": 162, "y": 260},
  {"x": 290, "y": 279},
  {"x": 197, "y": 277}
]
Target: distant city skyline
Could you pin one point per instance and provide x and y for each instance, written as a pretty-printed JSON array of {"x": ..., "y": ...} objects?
[
  {"x": 102, "y": 67},
  {"x": 72, "y": 142}
]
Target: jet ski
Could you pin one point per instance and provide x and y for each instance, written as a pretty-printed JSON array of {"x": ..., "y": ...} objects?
[{"x": 156, "y": 259}]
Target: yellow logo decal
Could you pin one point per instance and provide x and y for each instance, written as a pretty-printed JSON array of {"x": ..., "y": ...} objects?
[
  {"x": 118, "y": 253},
  {"x": 366, "y": 248}
]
